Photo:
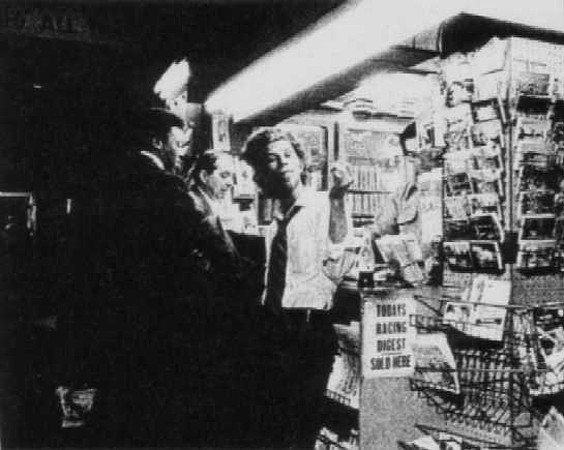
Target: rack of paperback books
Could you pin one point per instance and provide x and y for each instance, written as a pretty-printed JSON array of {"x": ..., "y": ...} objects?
[
  {"x": 377, "y": 166},
  {"x": 340, "y": 429},
  {"x": 492, "y": 361}
]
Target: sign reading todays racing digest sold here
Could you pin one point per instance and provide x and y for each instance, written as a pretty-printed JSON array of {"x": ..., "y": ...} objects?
[{"x": 387, "y": 337}]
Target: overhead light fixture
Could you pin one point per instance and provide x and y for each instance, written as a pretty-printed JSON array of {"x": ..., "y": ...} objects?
[
  {"x": 546, "y": 14},
  {"x": 358, "y": 31},
  {"x": 354, "y": 34}
]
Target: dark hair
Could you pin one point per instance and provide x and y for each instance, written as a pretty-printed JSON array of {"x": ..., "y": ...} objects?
[
  {"x": 159, "y": 121},
  {"x": 207, "y": 161},
  {"x": 146, "y": 125},
  {"x": 409, "y": 132},
  {"x": 255, "y": 151}
]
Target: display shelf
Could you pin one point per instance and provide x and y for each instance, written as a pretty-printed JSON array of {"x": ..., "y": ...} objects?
[
  {"x": 330, "y": 443},
  {"x": 487, "y": 385},
  {"x": 328, "y": 440},
  {"x": 368, "y": 191},
  {"x": 446, "y": 435},
  {"x": 497, "y": 382},
  {"x": 342, "y": 400},
  {"x": 349, "y": 338}
]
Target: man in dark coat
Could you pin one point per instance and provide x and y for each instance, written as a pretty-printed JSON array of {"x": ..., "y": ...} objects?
[
  {"x": 136, "y": 334},
  {"x": 213, "y": 179}
]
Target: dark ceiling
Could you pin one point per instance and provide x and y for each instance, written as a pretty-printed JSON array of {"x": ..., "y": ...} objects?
[
  {"x": 71, "y": 71},
  {"x": 130, "y": 43}
]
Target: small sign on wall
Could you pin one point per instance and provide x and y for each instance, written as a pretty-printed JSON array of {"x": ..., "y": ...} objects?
[
  {"x": 220, "y": 132},
  {"x": 387, "y": 337}
]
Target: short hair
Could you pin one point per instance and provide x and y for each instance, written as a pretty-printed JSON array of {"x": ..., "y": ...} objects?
[
  {"x": 153, "y": 123},
  {"x": 160, "y": 121},
  {"x": 207, "y": 160},
  {"x": 255, "y": 151}
]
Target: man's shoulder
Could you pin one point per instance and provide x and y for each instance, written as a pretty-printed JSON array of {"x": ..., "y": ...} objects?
[{"x": 198, "y": 200}]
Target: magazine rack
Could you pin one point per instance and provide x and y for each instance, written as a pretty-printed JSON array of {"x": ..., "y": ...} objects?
[
  {"x": 342, "y": 394},
  {"x": 460, "y": 440},
  {"x": 498, "y": 381}
]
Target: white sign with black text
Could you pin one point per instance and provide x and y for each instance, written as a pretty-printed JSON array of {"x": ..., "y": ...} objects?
[{"x": 387, "y": 337}]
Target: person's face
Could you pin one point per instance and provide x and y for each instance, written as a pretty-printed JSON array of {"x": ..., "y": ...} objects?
[
  {"x": 178, "y": 142},
  {"x": 282, "y": 170},
  {"x": 220, "y": 181}
]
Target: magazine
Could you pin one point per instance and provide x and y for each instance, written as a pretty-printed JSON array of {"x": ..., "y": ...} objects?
[
  {"x": 532, "y": 128},
  {"x": 457, "y": 207},
  {"x": 424, "y": 443},
  {"x": 538, "y": 201},
  {"x": 537, "y": 227},
  {"x": 457, "y": 256},
  {"x": 404, "y": 251},
  {"x": 458, "y": 162},
  {"x": 434, "y": 362},
  {"x": 534, "y": 255},
  {"x": 536, "y": 153},
  {"x": 549, "y": 353},
  {"x": 488, "y": 157},
  {"x": 484, "y": 133},
  {"x": 458, "y": 230},
  {"x": 486, "y": 256},
  {"x": 343, "y": 385},
  {"x": 484, "y": 204},
  {"x": 486, "y": 227},
  {"x": 459, "y": 184},
  {"x": 481, "y": 312},
  {"x": 551, "y": 432}
]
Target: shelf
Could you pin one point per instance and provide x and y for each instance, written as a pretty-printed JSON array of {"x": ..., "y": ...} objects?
[
  {"x": 431, "y": 430},
  {"x": 367, "y": 191},
  {"x": 341, "y": 400}
]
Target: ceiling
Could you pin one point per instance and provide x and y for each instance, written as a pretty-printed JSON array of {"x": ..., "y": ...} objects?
[
  {"x": 70, "y": 71},
  {"x": 129, "y": 43}
]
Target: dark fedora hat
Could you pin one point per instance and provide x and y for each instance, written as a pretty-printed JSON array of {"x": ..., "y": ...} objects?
[{"x": 158, "y": 119}]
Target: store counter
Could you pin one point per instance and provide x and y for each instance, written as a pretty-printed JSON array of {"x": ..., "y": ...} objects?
[{"x": 389, "y": 408}]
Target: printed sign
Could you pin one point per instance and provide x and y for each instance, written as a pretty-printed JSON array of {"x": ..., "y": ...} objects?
[
  {"x": 387, "y": 337},
  {"x": 65, "y": 23}
]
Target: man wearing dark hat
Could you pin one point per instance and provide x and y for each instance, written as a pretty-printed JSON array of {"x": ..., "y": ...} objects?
[{"x": 136, "y": 332}]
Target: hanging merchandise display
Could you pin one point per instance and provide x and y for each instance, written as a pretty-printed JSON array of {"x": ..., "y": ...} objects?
[{"x": 503, "y": 320}]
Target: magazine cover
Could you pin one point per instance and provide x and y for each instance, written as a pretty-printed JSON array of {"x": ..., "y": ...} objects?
[
  {"x": 551, "y": 432},
  {"x": 404, "y": 252},
  {"x": 486, "y": 227},
  {"x": 535, "y": 153},
  {"x": 457, "y": 256},
  {"x": 532, "y": 128},
  {"x": 549, "y": 330},
  {"x": 537, "y": 227},
  {"x": 486, "y": 256},
  {"x": 484, "y": 203},
  {"x": 434, "y": 362},
  {"x": 459, "y": 184},
  {"x": 481, "y": 312},
  {"x": 488, "y": 157},
  {"x": 343, "y": 385},
  {"x": 487, "y": 132},
  {"x": 538, "y": 201},
  {"x": 457, "y": 208},
  {"x": 458, "y": 162},
  {"x": 536, "y": 255}
]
